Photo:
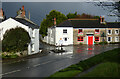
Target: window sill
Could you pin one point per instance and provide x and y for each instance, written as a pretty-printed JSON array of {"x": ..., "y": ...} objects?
[
  {"x": 80, "y": 41},
  {"x": 116, "y": 33},
  {"x": 97, "y": 33},
  {"x": 109, "y": 34},
  {"x": 80, "y": 33}
]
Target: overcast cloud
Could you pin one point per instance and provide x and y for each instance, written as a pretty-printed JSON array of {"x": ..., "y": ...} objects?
[{"x": 58, "y": 0}]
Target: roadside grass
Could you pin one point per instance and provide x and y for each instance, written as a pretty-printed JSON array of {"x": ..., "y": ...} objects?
[
  {"x": 107, "y": 69},
  {"x": 111, "y": 56},
  {"x": 66, "y": 74}
]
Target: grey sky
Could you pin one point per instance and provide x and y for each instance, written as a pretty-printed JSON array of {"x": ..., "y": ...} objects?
[{"x": 58, "y": 0}]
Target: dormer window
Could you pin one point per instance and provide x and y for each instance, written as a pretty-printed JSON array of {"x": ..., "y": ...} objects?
[
  {"x": 96, "y": 31},
  {"x": 80, "y": 31}
]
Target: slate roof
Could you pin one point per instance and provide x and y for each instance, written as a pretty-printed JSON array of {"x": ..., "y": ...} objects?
[
  {"x": 66, "y": 23},
  {"x": 88, "y": 23},
  {"x": 27, "y": 23},
  {"x": 113, "y": 25}
]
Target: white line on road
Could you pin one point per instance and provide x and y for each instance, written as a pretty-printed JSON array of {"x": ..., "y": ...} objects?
[
  {"x": 43, "y": 63},
  {"x": 10, "y": 72}
]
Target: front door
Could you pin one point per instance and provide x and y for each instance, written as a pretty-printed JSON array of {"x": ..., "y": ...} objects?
[{"x": 90, "y": 40}]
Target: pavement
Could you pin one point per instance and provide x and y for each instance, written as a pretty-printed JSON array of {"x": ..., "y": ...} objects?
[{"x": 47, "y": 65}]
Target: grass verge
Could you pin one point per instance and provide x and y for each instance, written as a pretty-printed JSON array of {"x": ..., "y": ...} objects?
[
  {"x": 111, "y": 56},
  {"x": 107, "y": 69}
]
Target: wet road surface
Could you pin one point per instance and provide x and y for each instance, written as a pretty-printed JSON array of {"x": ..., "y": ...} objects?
[{"x": 47, "y": 65}]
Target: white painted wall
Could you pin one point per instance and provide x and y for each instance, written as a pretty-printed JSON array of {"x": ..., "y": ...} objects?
[
  {"x": 59, "y": 34},
  {"x": 33, "y": 33},
  {"x": 11, "y": 23}
]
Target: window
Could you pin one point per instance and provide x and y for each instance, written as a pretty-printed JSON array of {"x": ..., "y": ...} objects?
[
  {"x": 32, "y": 46},
  {"x": 64, "y": 30},
  {"x": 96, "y": 38},
  {"x": 80, "y": 38},
  {"x": 96, "y": 31},
  {"x": 51, "y": 31},
  {"x": 80, "y": 31},
  {"x": 117, "y": 39},
  {"x": 117, "y": 31},
  {"x": 33, "y": 33},
  {"x": 65, "y": 39},
  {"x": 109, "y": 39},
  {"x": 109, "y": 32}
]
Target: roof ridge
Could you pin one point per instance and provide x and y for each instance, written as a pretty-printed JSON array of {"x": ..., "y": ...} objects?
[{"x": 82, "y": 19}]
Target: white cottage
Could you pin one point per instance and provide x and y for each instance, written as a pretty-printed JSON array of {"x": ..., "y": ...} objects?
[
  {"x": 32, "y": 29},
  {"x": 27, "y": 24},
  {"x": 58, "y": 35}
]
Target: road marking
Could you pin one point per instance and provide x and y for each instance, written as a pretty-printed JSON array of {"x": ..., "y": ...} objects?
[
  {"x": 10, "y": 72},
  {"x": 36, "y": 65},
  {"x": 43, "y": 63}
]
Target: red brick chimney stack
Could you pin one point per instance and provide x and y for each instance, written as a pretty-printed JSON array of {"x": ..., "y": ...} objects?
[
  {"x": 23, "y": 7},
  {"x": 54, "y": 21},
  {"x": 23, "y": 11},
  {"x": 1, "y": 12},
  {"x": 100, "y": 19}
]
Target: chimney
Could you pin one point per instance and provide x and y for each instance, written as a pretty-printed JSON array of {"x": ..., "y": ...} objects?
[
  {"x": 103, "y": 19},
  {"x": 54, "y": 21},
  {"x": 23, "y": 12},
  {"x": 29, "y": 15},
  {"x": 100, "y": 19},
  {"x": 1, "y": 12},
  {"x": 23, "y": 7}
]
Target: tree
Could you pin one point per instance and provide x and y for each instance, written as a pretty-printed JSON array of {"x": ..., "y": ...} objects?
[
  {"x": 48, "y": 22},
  {"x": 88, "y": 16},
  {"x": 71, "y": 15},
  {"x": 16, "y": 39},
  {"x": 112, "y": 7}
]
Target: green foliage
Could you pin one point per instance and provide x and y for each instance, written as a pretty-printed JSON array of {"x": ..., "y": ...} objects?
[
  {"x": 48, "y": 22},
  {"x": 114, "y": 42},
  {"x": 71, "y": 15},
  {"x": 81, "y": 43},
  {"x": 105, "y": 42},
  {"x": 107, "y": 69},
  {"x": 87, "y": 16},
  {"x": 15, "y": 40},
  {"x": 9, "y": 55}
]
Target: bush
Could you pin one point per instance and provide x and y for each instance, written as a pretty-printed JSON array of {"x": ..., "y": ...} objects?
[
  {"x": 9, "y": 55},
  {"x": 15, "y": 40},
  {"x": 114, "y": 42},
  {"x": 105, "y": 42}
]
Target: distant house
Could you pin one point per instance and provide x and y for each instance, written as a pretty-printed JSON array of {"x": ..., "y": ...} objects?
[
  {"x": 28, "y": 25},
  {"x": 55, "y": 33},
  {"x": 85, "y": 31}
]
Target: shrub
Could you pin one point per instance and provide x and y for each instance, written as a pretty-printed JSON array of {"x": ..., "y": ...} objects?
[
  {"x": 15, "y": 40},
  {"x": 105, "y": 42}
]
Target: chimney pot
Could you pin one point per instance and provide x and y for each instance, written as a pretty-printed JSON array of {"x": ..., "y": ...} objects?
[
  {"x": 1, "y": 12},
  {"x": 23, "y": 7}
]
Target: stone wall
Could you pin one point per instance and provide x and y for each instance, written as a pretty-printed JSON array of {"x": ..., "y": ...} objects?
[
  {"x": 113, "y": 35},
  {"x": 87, "y": 31}
]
